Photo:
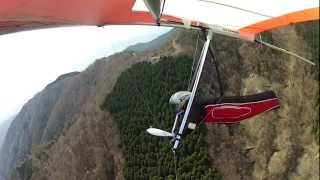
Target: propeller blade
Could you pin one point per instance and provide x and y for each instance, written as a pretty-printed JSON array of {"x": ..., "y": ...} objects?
[{"x": 159, "y": 132}]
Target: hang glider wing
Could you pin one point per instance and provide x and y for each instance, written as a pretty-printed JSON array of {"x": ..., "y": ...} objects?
[
  {"x": 18, "y": 15},
  {"x": 243, "y": 18}
]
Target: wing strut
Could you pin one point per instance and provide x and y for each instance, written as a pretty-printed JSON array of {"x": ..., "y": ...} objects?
[
  {"x": 177, "y": 137},
  {"x": 284, "y": 51}
]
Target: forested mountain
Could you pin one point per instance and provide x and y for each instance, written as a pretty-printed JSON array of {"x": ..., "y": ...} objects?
[
  {"x": 135, "y": 104},
  {"x": 91, "y": 125},
  {"x": 62, "y": 133},
  {"x": 154, "y": 44}
]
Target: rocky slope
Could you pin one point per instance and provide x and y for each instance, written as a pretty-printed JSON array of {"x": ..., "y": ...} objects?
[
  {"x": 282, "y": 144},
  {"x": 63, "y": 134}
]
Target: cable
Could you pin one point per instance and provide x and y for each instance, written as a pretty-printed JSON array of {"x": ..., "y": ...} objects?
[
  {"x": 193, "y": 63},
  {"x": 216, "y": 65},
  {"x": 164, "y": 2},
  {"x": 175, "y": 158},
  {"x": 160, "y": 15},
  {"x": 238, "y": 8}
]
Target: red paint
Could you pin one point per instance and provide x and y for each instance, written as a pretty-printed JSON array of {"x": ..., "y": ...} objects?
[
  {"x": 16, "y": 15},
  {"x": 229, "y": 112},
  {"x": 236, "y": 112},
  {"x": 84, "y": 12}
]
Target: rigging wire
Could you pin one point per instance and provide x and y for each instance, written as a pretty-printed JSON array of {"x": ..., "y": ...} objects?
[
  {"x": 164, "y": 2},
  {"x": 175, "y": 159},
  {"x": 216, "y": 65},
  {"x": 191, "y": 78},
  {"x": 238, "y": 8},
  {"x": 161, "y": 11}
]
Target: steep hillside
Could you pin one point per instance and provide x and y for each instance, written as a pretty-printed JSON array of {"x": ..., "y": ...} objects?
[
  {"x": 62, "y": 133},
  {"x": 282, "y": 144},
  {"x": 67, "y": 132}
]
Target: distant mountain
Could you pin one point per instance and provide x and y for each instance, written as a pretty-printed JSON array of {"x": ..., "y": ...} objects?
[
  {"x": 4, "y": 128},
  {"x": 154, "y": 44}
]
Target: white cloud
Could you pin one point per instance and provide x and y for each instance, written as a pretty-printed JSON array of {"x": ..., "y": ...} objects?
[{"x": 30, "y": 60}]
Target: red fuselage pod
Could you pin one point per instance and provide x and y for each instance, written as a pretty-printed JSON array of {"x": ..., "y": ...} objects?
[{"x": 227, "y": 113}]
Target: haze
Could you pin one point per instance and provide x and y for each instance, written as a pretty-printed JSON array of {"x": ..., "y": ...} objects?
[{"x": 30, "y": 60}]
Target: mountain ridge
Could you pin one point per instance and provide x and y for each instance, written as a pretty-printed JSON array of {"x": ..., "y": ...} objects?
[
  {"x": 62, "y": 133},
  {"x": 69, "y": 108}
]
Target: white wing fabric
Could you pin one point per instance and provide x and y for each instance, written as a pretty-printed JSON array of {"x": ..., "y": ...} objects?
[{"x": 243, "y": 18}]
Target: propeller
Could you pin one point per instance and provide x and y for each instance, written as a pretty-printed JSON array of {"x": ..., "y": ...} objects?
[{"x": 159, "y": 132}]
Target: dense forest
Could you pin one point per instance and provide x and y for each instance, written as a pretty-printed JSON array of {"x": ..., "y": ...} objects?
[{"x": 139, "y": 100}]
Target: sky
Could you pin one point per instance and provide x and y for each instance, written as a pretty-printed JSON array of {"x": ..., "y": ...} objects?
[{"x": 32, "y": 59}]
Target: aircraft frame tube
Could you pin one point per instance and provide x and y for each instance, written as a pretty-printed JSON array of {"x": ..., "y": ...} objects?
[
  {"x": 285, "y": 51},
  {"x": 175, "y": 122},
  {"x": 194, "y": 89}
]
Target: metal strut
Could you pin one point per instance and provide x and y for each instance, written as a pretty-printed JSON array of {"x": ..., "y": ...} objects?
[
  {"x": 285, "y": 51},
  {"x": 205, "y": 48}
]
